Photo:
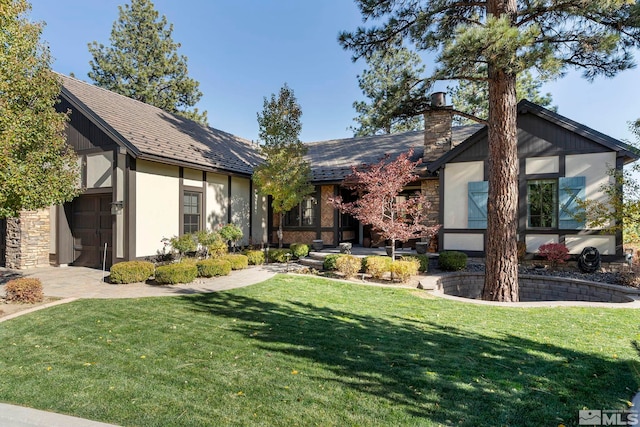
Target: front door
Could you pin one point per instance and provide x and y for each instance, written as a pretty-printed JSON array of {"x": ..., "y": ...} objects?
[{"x": 91, "y": 229}]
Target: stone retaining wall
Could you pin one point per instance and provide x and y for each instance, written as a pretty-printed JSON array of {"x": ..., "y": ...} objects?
[{"x": 540, "y": 288}]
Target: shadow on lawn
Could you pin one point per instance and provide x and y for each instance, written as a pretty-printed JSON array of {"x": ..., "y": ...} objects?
[{"x": 441, "y": 373}]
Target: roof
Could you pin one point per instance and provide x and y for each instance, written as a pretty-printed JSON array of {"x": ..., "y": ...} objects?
[
  {"x": 332, "y": 160},
  {"x": 624, "y": 150},
  {"x": 151, "y": 133}
]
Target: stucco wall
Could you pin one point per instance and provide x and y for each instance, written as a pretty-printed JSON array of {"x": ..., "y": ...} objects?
[
  {"x": 217, "y": 196},
  {"x": 594, "y": 167},
  {"x": 240, "y": 206},
  {"x": 157, "y": 205},
  {"x": 463, "y": 242},
  {"x": 259, "y": 217},
  {"x": 539, "y": 165},
  {"x": 456, "y": 178}
]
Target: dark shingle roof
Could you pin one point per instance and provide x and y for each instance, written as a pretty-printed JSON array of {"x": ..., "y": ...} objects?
[
  {"x": 332, "y": 160},
  {"x": 151, "y": 133}
]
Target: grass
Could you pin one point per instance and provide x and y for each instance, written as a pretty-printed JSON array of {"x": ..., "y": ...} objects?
[{"x": 306, "y": 351}]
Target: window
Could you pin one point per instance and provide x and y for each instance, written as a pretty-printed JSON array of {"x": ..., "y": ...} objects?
[
  {"x": 303, "y": 215},
  {"x": 542, "y": 202},
  {"x": 191, "y": 202}
]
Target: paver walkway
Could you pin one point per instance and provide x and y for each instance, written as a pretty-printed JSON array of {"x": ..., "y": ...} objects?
[{"x": 80, "y": 282}]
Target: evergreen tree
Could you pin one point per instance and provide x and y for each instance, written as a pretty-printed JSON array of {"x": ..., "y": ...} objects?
[
  {"x": 37, "y": 167},
  {"x": 472, "y": 96},
  {"x": 391, "y": 76},
  {"x": 284, "y": 175},
  {"x": 494, "y": 41},
  {"x": 142, "y": 62}
]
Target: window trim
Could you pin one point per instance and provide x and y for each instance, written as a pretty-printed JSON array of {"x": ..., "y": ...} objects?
[
  {"x": 200, "y": 193},
  {"x": 555, "y": 201},
  {"x": 300, "y": 217}
]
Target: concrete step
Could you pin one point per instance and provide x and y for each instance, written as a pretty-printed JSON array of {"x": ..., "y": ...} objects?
[
  {"x": 311, "y": 263},
  {"x": 319, "y": 256}
]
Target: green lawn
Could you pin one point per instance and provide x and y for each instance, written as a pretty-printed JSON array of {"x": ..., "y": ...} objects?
[{"x": 306, "y": 351}]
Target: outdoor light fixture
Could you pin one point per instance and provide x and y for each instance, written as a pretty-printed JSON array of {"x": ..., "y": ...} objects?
[{"x": 117, "y": 207}]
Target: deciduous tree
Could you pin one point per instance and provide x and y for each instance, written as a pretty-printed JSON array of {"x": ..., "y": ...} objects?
[
  {"x": 37, "y": 167},
  {"x": 377, "y": 188},
  {"x": 392, "y": 75},
  {"x": 494, "y": 41},
  {"x": 284, "y": 175},
  {"x": 143, "y": 62}
]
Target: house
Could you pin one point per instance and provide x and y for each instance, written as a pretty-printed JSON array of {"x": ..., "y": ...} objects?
[
  {"x": 560, "y": 160},
  {"x": 149, "y": 175}
]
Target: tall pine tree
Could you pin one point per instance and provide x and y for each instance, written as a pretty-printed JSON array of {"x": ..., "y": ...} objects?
[
  {"x": 142, "y": 62},
  {"x": 284, "y": 175},
  {"x": 392, "y": 76},
  {"x": 37, "y": 167},
  {"x": 494, "y": 41},
  {"x": 472, "y": 96}
]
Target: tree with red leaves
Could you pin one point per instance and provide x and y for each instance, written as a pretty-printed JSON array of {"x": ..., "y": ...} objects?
[{"x": 377, "y": 187}]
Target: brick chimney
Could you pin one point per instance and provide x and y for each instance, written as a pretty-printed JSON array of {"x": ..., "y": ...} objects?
[{"x": 437, "y": 127}]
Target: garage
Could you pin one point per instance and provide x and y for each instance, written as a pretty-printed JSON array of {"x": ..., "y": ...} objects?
[{"x": 91, "y": 226}]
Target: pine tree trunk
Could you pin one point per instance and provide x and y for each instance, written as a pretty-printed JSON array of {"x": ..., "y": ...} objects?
[{"x": 501, "y": 277}]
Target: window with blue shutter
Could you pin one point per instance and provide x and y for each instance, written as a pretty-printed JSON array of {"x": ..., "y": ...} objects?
[
  {"x": 477, "y": 205},
  {"x": 571, "y": 190}
]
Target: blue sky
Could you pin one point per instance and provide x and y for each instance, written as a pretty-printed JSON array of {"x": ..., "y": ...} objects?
[{"x": 243, "y": 50}]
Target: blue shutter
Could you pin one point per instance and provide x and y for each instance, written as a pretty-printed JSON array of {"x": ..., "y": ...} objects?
[
  {"x": 571, "y": 189},
  {"x": 478, "y": 194}
]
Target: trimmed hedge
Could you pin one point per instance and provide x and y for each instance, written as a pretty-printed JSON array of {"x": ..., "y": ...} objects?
[
  {"x": 329, "y": 262},
  {"x": 299, "y": 250},
  {"x": 452, "y": 260},
  {"x": 348, "y": 265},
  {"x": 182, "y": 272},
  {"x": 278, "y": 255},
  {"x": 213, "y": 267},
  {"x": 422, "y": 259},
  {"x": 24, "y": 290},
  {"x": 403, "y": 270},
  {"x": 131, "y": 272},
  {"x": 237, "y": 261},
  {"x": 255, "y": 257},
  {"x": 378, "y": 265}
]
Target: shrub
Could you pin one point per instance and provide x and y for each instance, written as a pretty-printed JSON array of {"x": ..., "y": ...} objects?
[
  {"x": 348, "y": 265},
  {"x": 452, "y": 260},
  {"x": 363, "y": 264},
  {"x": 183, "y": 244},
  {"x": 255, "y": 257},
  {"x": 554, "y": 253},
  {"x": 403, "y": 270},
  {"x": 299, "y": 250},
  {"x": 231, "y": 233},
  {"x": 279, "y": 255},
  {"x": 24, "y": 290},
  {"x": 181, "y": 272},
  {"x": 131, "y": 272},
  {"x": 213, "y": 267},
  {"x": 218, "y": 248},
  {"x": 237, "y": 261},
  {"x": 329, "y": 262},
  {"x": 378, "y": 265},
  {"x": 423, "y": 261}
]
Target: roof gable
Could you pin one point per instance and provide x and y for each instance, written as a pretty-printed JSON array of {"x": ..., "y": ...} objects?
[
  {"x": 148, "y": 132},
  {"x": 554, "y": 133}
]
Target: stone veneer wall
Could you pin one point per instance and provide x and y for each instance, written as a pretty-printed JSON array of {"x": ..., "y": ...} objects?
[
  {"x": 431, "y": 189},
  {"x": 27, "y": 243}
]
